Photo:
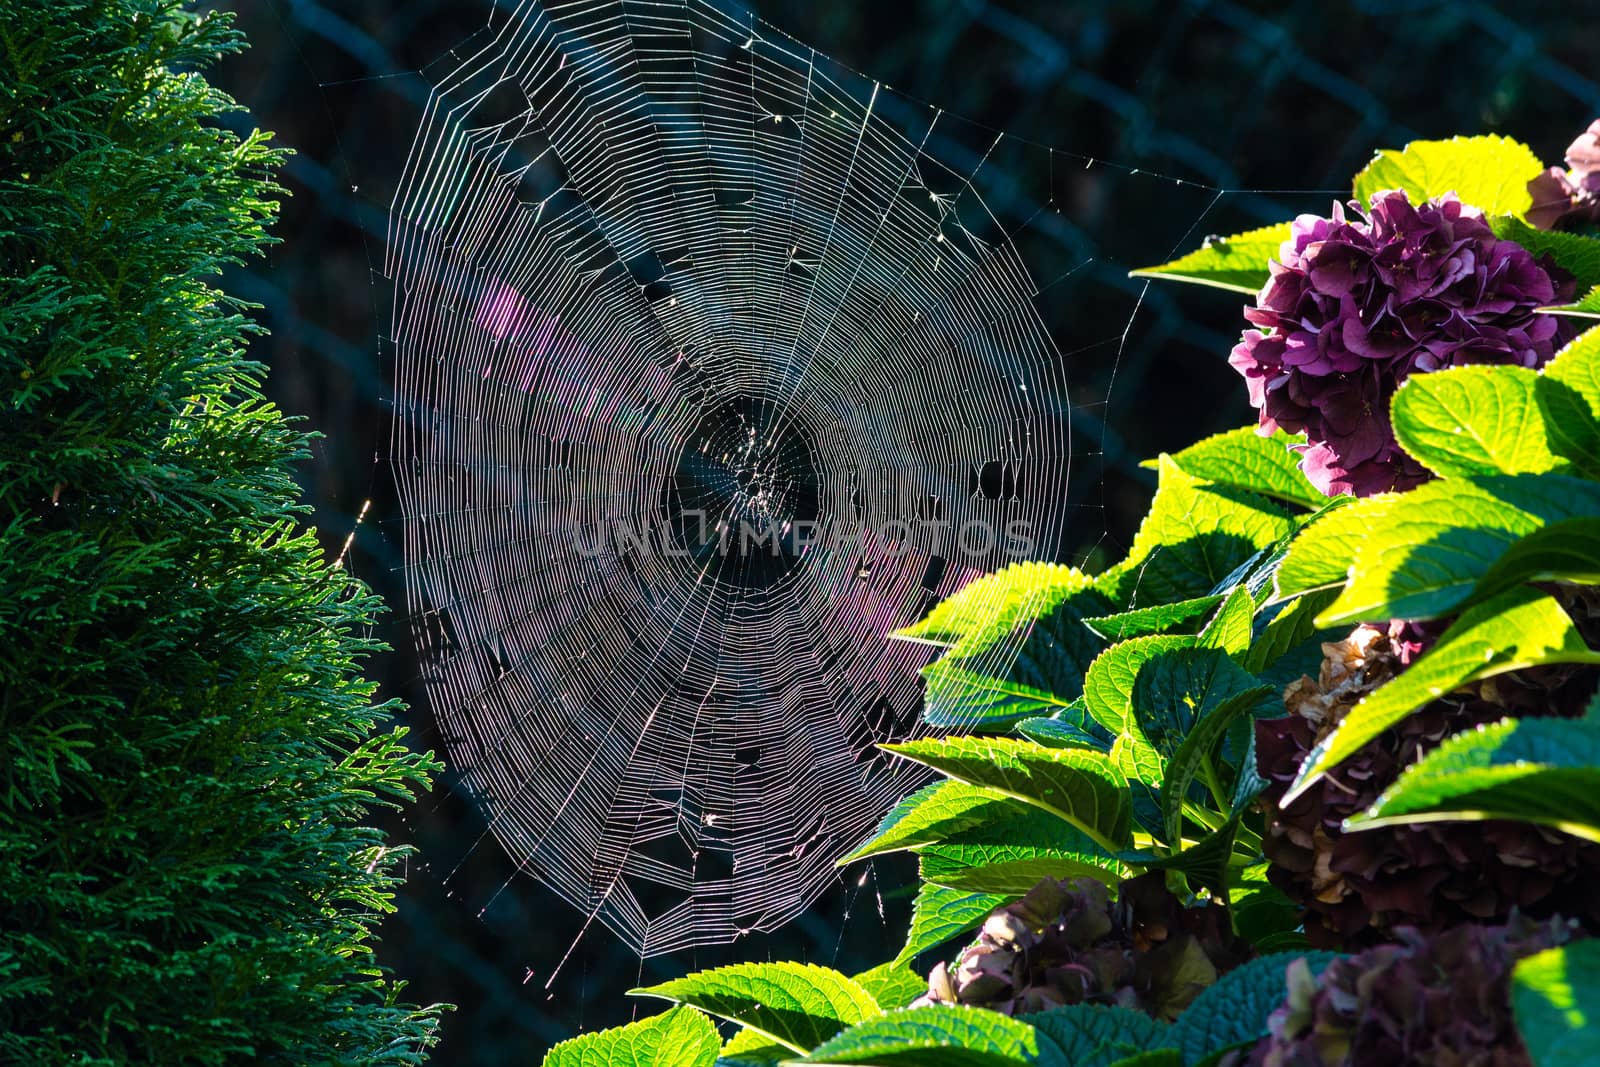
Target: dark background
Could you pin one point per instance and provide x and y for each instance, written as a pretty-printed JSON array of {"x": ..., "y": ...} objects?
[{"x": 1262, "y": 110}]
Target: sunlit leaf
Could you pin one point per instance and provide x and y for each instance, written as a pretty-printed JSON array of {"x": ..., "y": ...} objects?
[
  {"x": 1473, "y": 420},
  {"x": 1556, "y": 1001},
  {"x": 1238, "y": 262},
  {"x": 1488, "y": 172},
  {"x": 1243, "y": 458},
  {"x": 1080, "y": 786},
  {"x": 1517, "y": 629},
  {"x": 681, "y": 1037},
  {"x": 797, "y": 1004},
  {"x": 1544, "y": 771}
]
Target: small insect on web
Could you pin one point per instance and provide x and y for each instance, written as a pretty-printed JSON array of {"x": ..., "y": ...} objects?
[{"x": 706, "y": 383}]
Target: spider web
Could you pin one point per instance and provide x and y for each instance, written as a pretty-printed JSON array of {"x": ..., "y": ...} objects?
[{"x": 665, "y": 275}]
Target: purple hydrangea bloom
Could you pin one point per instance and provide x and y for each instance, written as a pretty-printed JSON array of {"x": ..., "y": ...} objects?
[
  {"x": 1565, "y": 199},
  {"x": 1355, "y": 306}
]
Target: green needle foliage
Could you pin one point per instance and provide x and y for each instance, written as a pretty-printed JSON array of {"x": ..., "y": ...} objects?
[{"x": 188, "y": 756}]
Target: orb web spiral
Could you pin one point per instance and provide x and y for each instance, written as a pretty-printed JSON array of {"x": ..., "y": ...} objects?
[{"x": 709, "y": 377}]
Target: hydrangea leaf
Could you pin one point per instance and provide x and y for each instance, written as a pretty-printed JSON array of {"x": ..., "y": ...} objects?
[
  {"x": 1488, "y": 172},
  {"x": 1517, "y": 629},
  {"x": 750, "y": 1048},
  {"x": 1564, "y": 551},
  {"x": 892, "y": 984},
  {"x": 934, "y": 813},
  {"x": 939, "y": 1035},
  {"x": 1156, "y": 1057},
  {"x": 1176, "y": 689},
  {"x": 986, "y": 609},
  {"x": 1231, "y": 627},
  {"x": 1238, "y": 262},
  {"x": 1568, "y": 393},
  {"x": 1289, "y": 627},
  {"x": 1544, "y": 771},
  {"x": 1157, "y": 618},
  {"x": 1195, "y": 535},
  {"x": 1014, "y": 852},
  {"x": 1556, "y": 1002},
  {"x": 1206, "y": 862},
  {"x": 1108, "y": 685},
  {"x": 1574, "y": 253},
  {"x": 1243, "y": 458},
  {"x": 1098, "y": 1035},
  {"x": 1143, "y": 768},
  {"x": 681, "y": 1037},
  {"x": 1080, "y": 786},
  {"x": 956, "y": 697},
  {"x": 799, "y": 1005},
  {"x": 1071, "y": 727},
  {"x": 1233, "y": 1011},
  {"x": 940, "y": 914},
  {"x": 1199, "y": 747},
  {"x": 1587, "y": 306},
  {"x": 1423, "y": 554},
  {"x": 1262, "y": 913},
  {"x": 1321, "y": 556},
  {"x": 1473, "y": 420}
]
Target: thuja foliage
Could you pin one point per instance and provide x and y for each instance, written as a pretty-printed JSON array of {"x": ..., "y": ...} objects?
[
  {"x": 187, "y": 753},
  {"x": 1197, "y": 818}
]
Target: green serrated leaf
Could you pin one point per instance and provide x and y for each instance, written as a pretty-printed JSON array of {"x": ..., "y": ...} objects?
[
  {"x": 1234, "y": 1010},
  {"x": 1423, "y": 553},
  {"x": 956, "y": 697},
  {"x": 1108, "y": 685},
  {"x": 1206, "y": 862},
  {"x": 1565, "y": 551},
  {"x": 1517, "y": 629},
  {"x": 1544, "y": 771},
  {"x": 799, "y": 1005},
  {"x": 1568, "y": 392},
  {"x": 1238, "y": 263},
  {"x": 1576, "y": 254},
  {"x": 1586, "y": 306},
  {"x": 1198, "y": 748},
  {"x": 1230, "y": 629},
  {"x": 1069, "y": 728},
  {"x": 934, "y": 813},
  {"x": 681, "y": 1037},
  {"x": 939, "y": 1035},
  {"x": 1471, "y": 420},
  {"x": 748, "y": 1048},
  {"x": 1244, "y": 459},
  {"x": 1014, "y": 852},
  {"x": 940, "y": 914},
  {"x": 892, "y": 984},
  {"x": 1291, "y": 626},
  {"x": 1321, "y": 555},
  {"x": 1143, "y": 767},
  {"x": 1174, "y": 690},
  {"x": 1157, "y": 618},
  {"x": 1262, "y": 913},
  {"x": 1098, "y": 1035},
  {"x": 1080, "y": 786},
  {"x": 986, "y": 609},
  {"x": 1556, "y": 1002},
  {"x": 1488, "y": 172},
  {"x": 1195, "y": 535}
]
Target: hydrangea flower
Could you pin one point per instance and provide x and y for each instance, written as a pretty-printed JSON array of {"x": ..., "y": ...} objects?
[
  {"x": 1564, "y": 199},
  {"x": 1065, "y": 942},
  {"x": 1356, "y": 305},
  {"x": 1358, "y": 886},
  {"x": 1441, "y": 999}
]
